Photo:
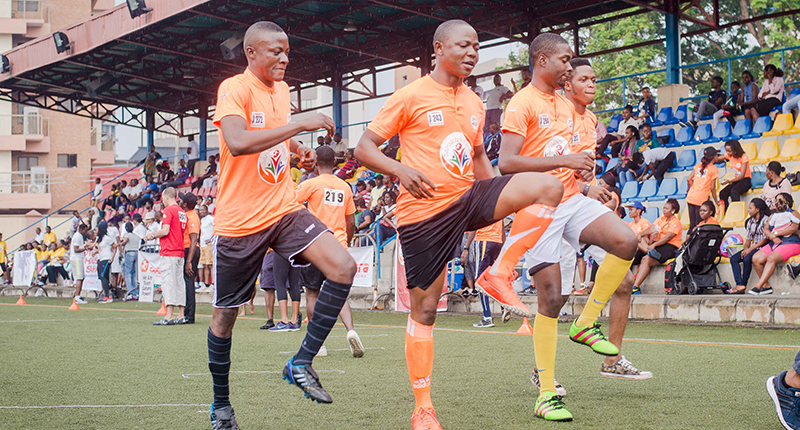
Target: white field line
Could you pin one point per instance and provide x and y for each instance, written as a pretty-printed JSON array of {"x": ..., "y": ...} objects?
[
  {"x": 162, "y": 405},
  {"x": 187, "y": 375}
]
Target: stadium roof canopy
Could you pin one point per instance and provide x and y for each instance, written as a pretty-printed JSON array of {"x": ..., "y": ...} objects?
[{"x": 156, "y": 69}]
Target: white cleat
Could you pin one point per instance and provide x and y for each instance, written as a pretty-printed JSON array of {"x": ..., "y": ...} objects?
[{"x": 355, "y": 344}]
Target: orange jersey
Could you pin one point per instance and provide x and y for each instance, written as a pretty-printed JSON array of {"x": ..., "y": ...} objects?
[
  {"x": 672, "y": 225},
  {"x": 585, "y": 136},
  {"x": 192, "y": 226},
  {"x": 640, "y": 226},
  {"x": 492, "y": 233},
  {"x": 737, "y": 163},
  {"x": 546, "y": 122},
  {"x": 254, "y": 191},
  {"x": 703, "y": 183},
  {"x": 438, "y": 127},
  {"x": 331, "y": 200}
]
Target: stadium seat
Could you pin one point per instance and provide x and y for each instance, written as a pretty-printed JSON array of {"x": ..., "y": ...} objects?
[
  {"x": 796, "y": 128},
  {"x": 768, "y": 151},
  {"x": 685, "y": 220},
  {"x": 664, "y": 115},
  {"x": 750, "y": 150},
  {"x": 648, "y": 190},
  {"x": 686, "y": 136},
  {"x": 723, "y": 130},
  {"x": 651, "y": 214},
  {"x": 683, "y": 189},
  {"x": 795, "y": 170},
  {"x": 757, "y": 180},
  {"x": 686, "y": 161},
  {"x": 790, "y": 150},
  {"x": 613, "y": 124},
  {"x": 612, "y": 163},
  {"x": 680, "y": 114},
  {"x": 763, "y": 124},
  {"x": 668, "y": 189},
  {"x": 783, "y": 122},
  {"x": 742, "y": 128},
  {"x": 602, "y": 164},
  {"x": 668, "y": 132},
  {"x": 726, "y": 177},
  {"x": 630, "y": 191},
  {"x": 794, "y": 92},
  {"x": 735, "y": 215},
  {"x": 703, "y": 134}
]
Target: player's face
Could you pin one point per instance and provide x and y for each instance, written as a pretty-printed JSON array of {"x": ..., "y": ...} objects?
[
  {"x": 556, "y": 67},
  {"x": 269, "y": 55},
  {"x": 458, "y": 53},
  {"x": 582, "y": 84}
]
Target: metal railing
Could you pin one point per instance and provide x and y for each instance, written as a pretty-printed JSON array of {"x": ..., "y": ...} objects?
[
  {"x": 25, "y": 9},
  {"x": 107, "y": 141},
  {"x": 25, "y": 124},
  {"x": 24, "y": 182}
]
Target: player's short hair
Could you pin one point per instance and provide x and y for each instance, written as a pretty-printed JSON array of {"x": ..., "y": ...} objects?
[
  {"x": 577, "y": 62},
  {"x": 326, "y": 157},
  {"x": 444, "y": 29},
  {"x": 261, "y": 27},
  {"x": 545, "y": 44},
  {"x": 170, "y": 192}
]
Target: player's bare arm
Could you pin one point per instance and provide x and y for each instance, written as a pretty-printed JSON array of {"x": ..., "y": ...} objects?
[
  {"x": 482, "y": 167},
  {"x": 511, "y": 161},
  {"x": 242, "y": 141},
  {"x": 372, "y": 158}
]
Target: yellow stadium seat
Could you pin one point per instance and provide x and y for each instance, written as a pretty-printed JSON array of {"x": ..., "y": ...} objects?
[
  {"x": 751, "y": 151},
  {"x": 735, "y": 215},
  {"x": 726, "y": 177},
  {"x": 768, "y": 152},
  {"x": 795, "y": 129},
  {"x": 794, "y": 260},
  {"x": 782, "y": 123},
  {"x": 790, "y": 150},
  {"x": 724, "y": 260},
  {"x": 685, "y": 219}
]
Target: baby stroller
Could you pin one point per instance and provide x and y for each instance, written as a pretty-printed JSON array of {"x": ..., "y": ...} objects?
[{"x": 695, "y": 264}]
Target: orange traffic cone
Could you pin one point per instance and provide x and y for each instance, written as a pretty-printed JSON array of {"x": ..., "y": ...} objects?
[
  {"x": 74, "y": 306},
  {"x": 21, "y": 301},
  {"x": 525, "y": 328},
  {"x": 305, "y": 321},
  {"x": 163, "y": 310}
]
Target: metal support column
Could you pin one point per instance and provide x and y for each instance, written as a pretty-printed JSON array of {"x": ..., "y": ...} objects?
[
  {"x": 425, "y": 58},
  {"x": 202, "y": 143},
  {"x": 150, "y": 123},
  {"x": 337, "y": 99},
  {"x": 673, "y": 36}
]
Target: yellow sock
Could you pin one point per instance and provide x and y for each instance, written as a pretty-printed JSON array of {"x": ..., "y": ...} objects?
[
  {"x": 610, "y": 274},
  {"x": 545, "y": 336}
]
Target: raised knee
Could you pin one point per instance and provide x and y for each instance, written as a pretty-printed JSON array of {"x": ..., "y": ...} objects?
[{"x": 551, "y": 189}]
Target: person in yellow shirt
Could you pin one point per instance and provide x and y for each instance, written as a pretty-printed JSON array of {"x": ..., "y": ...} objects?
[
  {"x": 3, "y": 258},
  {"x": 49, "y": 236},
  {"x": 58, "y": 256}
]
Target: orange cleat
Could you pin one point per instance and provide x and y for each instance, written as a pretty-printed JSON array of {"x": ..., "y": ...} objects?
[
  {"x": 502, "y": 290},
  {"x": 425, "y": 419}
]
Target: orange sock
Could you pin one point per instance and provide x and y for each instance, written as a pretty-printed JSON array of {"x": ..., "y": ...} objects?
[
  {"x": 529, "y": 225},
  {"x": 419, "y": 358}
]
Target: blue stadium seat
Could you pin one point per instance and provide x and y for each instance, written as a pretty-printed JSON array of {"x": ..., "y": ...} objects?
[
  {"x": 651, "y": 214},
  {"x": 794, "y": 92},
  {"x": 668, "y": 132},
  {"x": 686, "y": 136},
  {"x": 630, "y": 191},
  {"x": 742, "y": 128},
  {"x": 758, "y": 179},
  {"x": 648, "y": 190},
  {"x": 602, "y": 163},
  {"x": 763, "y": 124},
  {"x": 680, "y": 114},
  {"x": 613, "y": 124},
  {"x": 664, "y": 115},
  {"x": 703, "y": 134},
  {"x": 683, "y": 189},
  {"x": 686, "y": 161},
  {"x": 668, "y": 188},
  {"x": 612, "y": 163},
  {"x": 723, "y": 130}
]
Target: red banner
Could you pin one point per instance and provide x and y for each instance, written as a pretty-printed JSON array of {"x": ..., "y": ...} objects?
[{"x": 402, "y": 300}]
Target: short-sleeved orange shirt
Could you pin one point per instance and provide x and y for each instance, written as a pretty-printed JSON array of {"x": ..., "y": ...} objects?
[
  {"x": 439, "y": 126},
  {"x": 585, "y": 136},
  {"x": 331, "y": 200},
  {"x": 673, "y": 225},
  {"x": 737, "y": 163},
  {"x": 640, "y": 226},
  {"x": 254, "y": 191},
  {"x": 192, "y": 226},
  {"x": 702, "y": 185},
  {"x": 491, "y": 233},
  {"x": 546, "y": 121},
  {"x": 711, "y": 221}
]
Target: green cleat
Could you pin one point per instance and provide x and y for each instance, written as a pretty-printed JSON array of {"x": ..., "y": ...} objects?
[
  {"x": 592, "y": 337},
  {"x": 550, "y": 407}
]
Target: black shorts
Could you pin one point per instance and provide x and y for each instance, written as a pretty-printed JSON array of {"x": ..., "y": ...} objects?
[
  {"x": 3, "y": 268},
  {"x": 238, "y": 260},
  {"x": 267, "y": 279},
  {"x": 428, "y": 245},
  {"x": 311, "y": 277},
  {"x": 666, "y": 250}
]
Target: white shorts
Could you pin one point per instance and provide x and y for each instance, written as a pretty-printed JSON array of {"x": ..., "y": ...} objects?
[
  {"x": 76, "y": 267},
  {"x": 172, "y": 286},
  {"x": 569, "y": 259},
  {"x": 569, "y": 221}
]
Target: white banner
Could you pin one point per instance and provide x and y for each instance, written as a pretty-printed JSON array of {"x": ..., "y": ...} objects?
[
  {"x": 149, "y": 274},
  {"x": 363, "y": 256},
  {"x": 91, "y": 282},
  {"x": 24, "y": 268}
]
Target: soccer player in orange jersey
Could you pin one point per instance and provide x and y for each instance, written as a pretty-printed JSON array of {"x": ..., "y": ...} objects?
[
  {"x": 447, "y": 187},
  {"x": 538, "y": 129},
  {"x": 330, "y": 199},
  {"x": 257, "y": 209}
]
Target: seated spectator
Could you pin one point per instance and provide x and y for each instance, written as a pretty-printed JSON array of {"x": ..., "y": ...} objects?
[
  {"x": 609, "y": 182},
  {"x": 771, "y": 94},
  {"x": 707, "y": 213},
  {"x": 749, "y": 88},
  {"x": 648, "y": 141},
  {"x": 776, "y": 184},
  {"x": 58, "y": 257},
  {"x": 135, "y": 190},
  {"x": 716, "y": 98},
  {"x": 178, "y": 179},
  {"x": 665, "y": 239},
  {"x": 740, "y": 165},
  {"x": 647, "y": 107},
  {"x": 625, "y": 148},
  {"x": 362, "y": 192},
  {"x": 791, "y": 104},
  {"x": 210, "y": 174},
  {"x": 755, "y": 239},
  {"x": 616, "y": 140},
  {"x": 702, "y": 183},
  {"x": 784, "y": 242},
  {"x": 364, "y": 218},
  {"x": 633, "y": 169},
  {"x": 388, "y": 219},
  {"x": 731, "y": 109},
  {"x": 296, "y": 172},
  {"x": 150, "y": 192},
  {"x": 639, "y": 224},
  {"x": 657, "y": 162},
  {"x": 39, "y": 235},
  {"x": 350, "y": 167},
  {"x": 493, "y": 141},
  {"x": 49, "y": 236}
]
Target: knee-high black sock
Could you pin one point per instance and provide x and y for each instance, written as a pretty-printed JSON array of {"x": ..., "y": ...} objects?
[
  {"x": 331, "y": 298},
  {"x": 219, "y": 363}
]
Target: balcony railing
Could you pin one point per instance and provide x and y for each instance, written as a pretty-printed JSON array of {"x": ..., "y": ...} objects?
[
  {"x": 26, "y": 124},
  {"x": 25, "y": 9},
  {"x": 107, "y": 141},
  {"x": 31, "y": 182}
]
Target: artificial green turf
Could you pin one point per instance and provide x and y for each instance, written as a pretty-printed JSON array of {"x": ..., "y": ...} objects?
[{"x": 50, "y": 356}]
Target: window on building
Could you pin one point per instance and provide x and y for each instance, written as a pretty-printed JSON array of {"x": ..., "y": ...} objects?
[
  {"x": 24, "y": 163},
  {"x": 67, "y": 160}
]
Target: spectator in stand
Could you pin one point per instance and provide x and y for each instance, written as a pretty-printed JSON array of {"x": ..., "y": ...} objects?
[
  {"x": 149, "y": 162},
  {"x": 707, "y": 213},
  {"x": 493, "y": 141},
  {"x": 633, "y": 168},
  {"x": 75, "y": 222},
  {"x": 494, "y": 103},
  {"x": 731, "y": 109},
  {"x": 191, "y": 251},
  {"x": 617, "y": 139},
  {"x": 93, "y": 217},
  {"x": 172, "y": 263},
  {"x": 657, "y": 162},
  {"x": 135, "y": 190},
  {"x": 776, "y": 184},
  {"x": 350, "y": 167},
  {"x": 740, "y": 165},
  {"x": 370, "y": 184},
  {"x": 106, "y": 246},
  {"x": 362, "y": 192},
  {"x": 791, "y": 104},
  {"x": 149, "y": 192},
  {"x": 207, "y": 179},
  {"x": 648, "y": 141},
  {"x": 339, "y": 145},
  {"x": 58, "y": 258},
  {"x": 785, "y": 244},
  {"x": 179, "y": 178},
  {"x": 647, "y": 107},
  {"x": 49, "y": 236},
  {"x": 716, "y": 98},
  {"x": 755, "y": 239},
  {"x": 392, "y": 148},
  {"x": 164, "y": 173},
  {"x": 296, "y": 172},
  {"x": 210, "y": 204},
  {"x": 771, "y": 94},
  {"x": 472, "y": 83},
  {"x": 320, "y": 142},
  {"x": 392, "y": 184},
  {"x": 377, "y": 192},
  {"x": 639, "y": 224},
  {"x": 130, "y": 244},
  {"x": 702, "y": 183},
  {"x": 97, "y": 194},
  {"x": 749, "y": 88},
  {"x": 39, "y": 235},
  {"x": 138, "y": 226},
  {"x": 193, "y": 153},
  {"x": 665, "y": 239},
  {"x": 388, "y": 219},
  {"x": 206, "y": 248},
  {"x": 626, "y": 148},
  {"x": 364, "y": 219}
]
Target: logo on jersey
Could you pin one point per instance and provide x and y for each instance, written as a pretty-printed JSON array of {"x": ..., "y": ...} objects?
[
  {"x": 576, "y": 138},
  {"x": 474, "y": 122},
  {"x": 557, "y": 146},
  {"x": 544, "y": 121},
  {"x": 569, "y": 123},
  {"x": 435, "y": 118},
  {"x": 456, "y": 154},
  {"x": 273, "y": 164},
  {"x": 257, "y": 120}
]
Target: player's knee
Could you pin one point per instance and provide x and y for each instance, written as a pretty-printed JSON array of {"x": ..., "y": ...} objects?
[
  {"x": 626, "y": 286},
  {"x": 626, "y": 244},
  {"x": 344, "y": 271},
  {"x": 550, "y": 189}
]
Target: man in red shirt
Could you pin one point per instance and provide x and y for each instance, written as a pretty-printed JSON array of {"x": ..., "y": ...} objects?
[{"x": 171, "y": 241}]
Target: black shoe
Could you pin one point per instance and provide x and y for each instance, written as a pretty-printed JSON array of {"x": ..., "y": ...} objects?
[
  {"x": 305, "y": 378},
  {"x": 299, "y": 320},
  {"x": 223, "y": 418},
  {"x": 793, "y": 270},
  {"x": 268, "y": 325}
]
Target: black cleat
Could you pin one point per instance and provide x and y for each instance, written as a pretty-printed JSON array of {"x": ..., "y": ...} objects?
[
  {"x": 304, "y": 377},
  {"x": 268, "y": 325},
  {"x": 223, "y": 418}
]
